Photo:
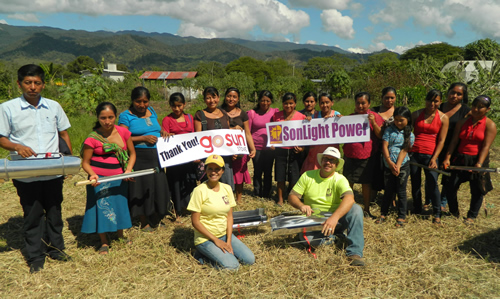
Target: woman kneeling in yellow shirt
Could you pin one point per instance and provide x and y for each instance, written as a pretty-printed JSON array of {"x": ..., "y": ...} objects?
[{"x": 211, "y": 207}]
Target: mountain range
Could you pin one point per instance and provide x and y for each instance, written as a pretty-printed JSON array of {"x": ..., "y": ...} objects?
[{"x": 140, "y": 50}]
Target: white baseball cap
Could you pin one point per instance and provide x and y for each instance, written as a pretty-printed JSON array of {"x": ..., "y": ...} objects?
[{"x": 334, "y": 152}]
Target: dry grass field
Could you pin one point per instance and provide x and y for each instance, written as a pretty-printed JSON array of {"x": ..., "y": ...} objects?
[{"x": 419, "y": 260}]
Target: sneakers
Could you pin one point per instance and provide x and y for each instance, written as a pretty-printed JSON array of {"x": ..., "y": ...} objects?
[{"x": 356, "y": 260}]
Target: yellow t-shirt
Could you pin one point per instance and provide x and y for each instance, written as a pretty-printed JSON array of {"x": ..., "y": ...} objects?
[
  {"x": 319, "y": 193},
  {"x": 213, "y": 208}
]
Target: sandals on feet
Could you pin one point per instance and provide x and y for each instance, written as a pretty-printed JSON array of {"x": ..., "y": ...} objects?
[
  {"x": 380, "y": 220},
  {"x": 469, "y": 221},
  {"x": 400, "y": 223},
  {"x": 104, "y": 249},
  {"x": 437, "y": 222}
]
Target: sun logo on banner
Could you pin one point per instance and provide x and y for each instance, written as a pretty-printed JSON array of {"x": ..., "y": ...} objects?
[
  {"x": 218, "y": 141},
  {"x": 275, "y": 133}
]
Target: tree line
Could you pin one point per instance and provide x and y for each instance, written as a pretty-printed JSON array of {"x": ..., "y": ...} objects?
[{"x": 412, "y": 74}]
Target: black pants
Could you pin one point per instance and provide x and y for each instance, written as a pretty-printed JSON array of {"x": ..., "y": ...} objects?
[
  {"x": 287, "y": 166},
  {"x": 263, "y": 165},
  {"x": 459, "y": 177},
  {"x": 41, "y": 202}
]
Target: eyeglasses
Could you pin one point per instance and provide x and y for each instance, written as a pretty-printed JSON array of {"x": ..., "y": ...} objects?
[{"x": 331, "y": 160}]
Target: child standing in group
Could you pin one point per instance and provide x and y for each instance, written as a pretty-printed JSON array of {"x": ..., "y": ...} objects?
[
  {"x": 396, "y": 143},
  {"x": 181, "y": 178},
  {"x": 287, "y": 163}
]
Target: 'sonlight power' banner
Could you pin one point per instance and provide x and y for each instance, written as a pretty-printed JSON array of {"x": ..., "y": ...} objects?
[{"x": 333, "y": 130}]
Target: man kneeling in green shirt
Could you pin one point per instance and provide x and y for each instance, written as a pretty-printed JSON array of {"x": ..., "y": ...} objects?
[{"x": 326, "y": 190}]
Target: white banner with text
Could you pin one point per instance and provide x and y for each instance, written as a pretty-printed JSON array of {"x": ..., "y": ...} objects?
[
  {"x": 180, "y": 149},
  {"x": 333, "y": 130}
]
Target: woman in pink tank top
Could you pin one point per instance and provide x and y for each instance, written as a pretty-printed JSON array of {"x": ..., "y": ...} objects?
[{"x": 430, "y": 128}]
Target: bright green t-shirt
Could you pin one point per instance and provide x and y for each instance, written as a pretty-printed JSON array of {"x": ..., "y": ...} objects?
[
  {"x": 320, "y": 193},
  {"x": 213, "y": 208}
]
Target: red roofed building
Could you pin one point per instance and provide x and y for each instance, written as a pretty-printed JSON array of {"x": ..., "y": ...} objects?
[
  {"x": 168, "y": 77},
  {"x": 171, "y": 77}
]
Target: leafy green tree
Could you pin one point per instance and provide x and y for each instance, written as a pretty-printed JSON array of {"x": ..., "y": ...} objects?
[
  {"x": 53, "y": 72},
  {"x": 212, "y": 69},
  {"x": 320, "y": 67},
  {"x": 81, "y": 63},
  {"x": 483, "y": 49},
  {"x": 254, "y": 68},
  {"x": 6, "y": 86},
  {"x": 442, "y": 51},
  {"x": 339, "y": 83},
  {"x": 122, "y": 67},
  {"x": 83, "y": 94},
  {"x": 242, "y": 81},
  {"x": 280, "y": 67}
]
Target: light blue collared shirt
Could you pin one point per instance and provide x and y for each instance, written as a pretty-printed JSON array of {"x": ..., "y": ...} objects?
[{"x": 35, "y": 127}]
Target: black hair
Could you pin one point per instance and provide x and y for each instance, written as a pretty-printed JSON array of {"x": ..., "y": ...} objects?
[
  {"x": 308, "y": 95},
  {"x": 433, "y": 94},
  {"x": 263, "y": 93},
  {"x": 406, "y": 113},
  {"x": 324, "y": 94},
  {"x": 31, "y": 70},
  {"x": 103, "y": 106},
  {"x": 230, "y": 89},
  {"x": 362, "y": 94},
  {"x": 389, "y": 89},
  {"x": 289, "y": 96},
  {"x": 465, "y": 95},
  {"x": 210, "y": 91},
  {"x": 138, "y": 92},
  {"x": 483, "y": 99},
  {"x": 176, "y": 97}
]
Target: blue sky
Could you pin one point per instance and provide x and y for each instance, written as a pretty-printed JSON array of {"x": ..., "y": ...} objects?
[{"x": 354, "y": 25}]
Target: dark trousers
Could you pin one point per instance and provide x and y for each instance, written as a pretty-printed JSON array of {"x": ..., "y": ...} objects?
[
  {"x": 395, "y": 184},
  {"x": 476, "y": 199},
  {"x": 459, "y": 177},
  {"x": 287, "y": 166},
  {"x": 263, "y": 165},
  {"x": 431, "y": 185},
  {"x": 41, "y": 202}
]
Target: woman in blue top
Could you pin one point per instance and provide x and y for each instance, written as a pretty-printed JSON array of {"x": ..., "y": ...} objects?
[{"x": 149, "y": 195}]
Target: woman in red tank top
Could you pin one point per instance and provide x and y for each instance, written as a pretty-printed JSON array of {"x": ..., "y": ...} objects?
[
  {"x": 430, "y": 130},
  {"x": 474, "y": 136}
]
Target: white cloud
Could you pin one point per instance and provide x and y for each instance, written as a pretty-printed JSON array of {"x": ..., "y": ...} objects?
[
  {"x": 3, "y": 22},
  {"x": 333, "y": 21},
  {"x": 379, "y": 46},
  {"x": 382, "y": 37},
  {"x": 209, "y": 18},
  {"x": 321, "y": 4},
  {"x": 481, "y": 15},
  {"x": 356, "y": 9},
  {"x": 311, "y": 42},
  {"x": 29, "y": 17},
  {"x": 357, "y": 50}
]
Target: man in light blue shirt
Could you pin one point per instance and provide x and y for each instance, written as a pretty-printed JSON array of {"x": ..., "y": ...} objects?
[{"x": 30, "y": 125}]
